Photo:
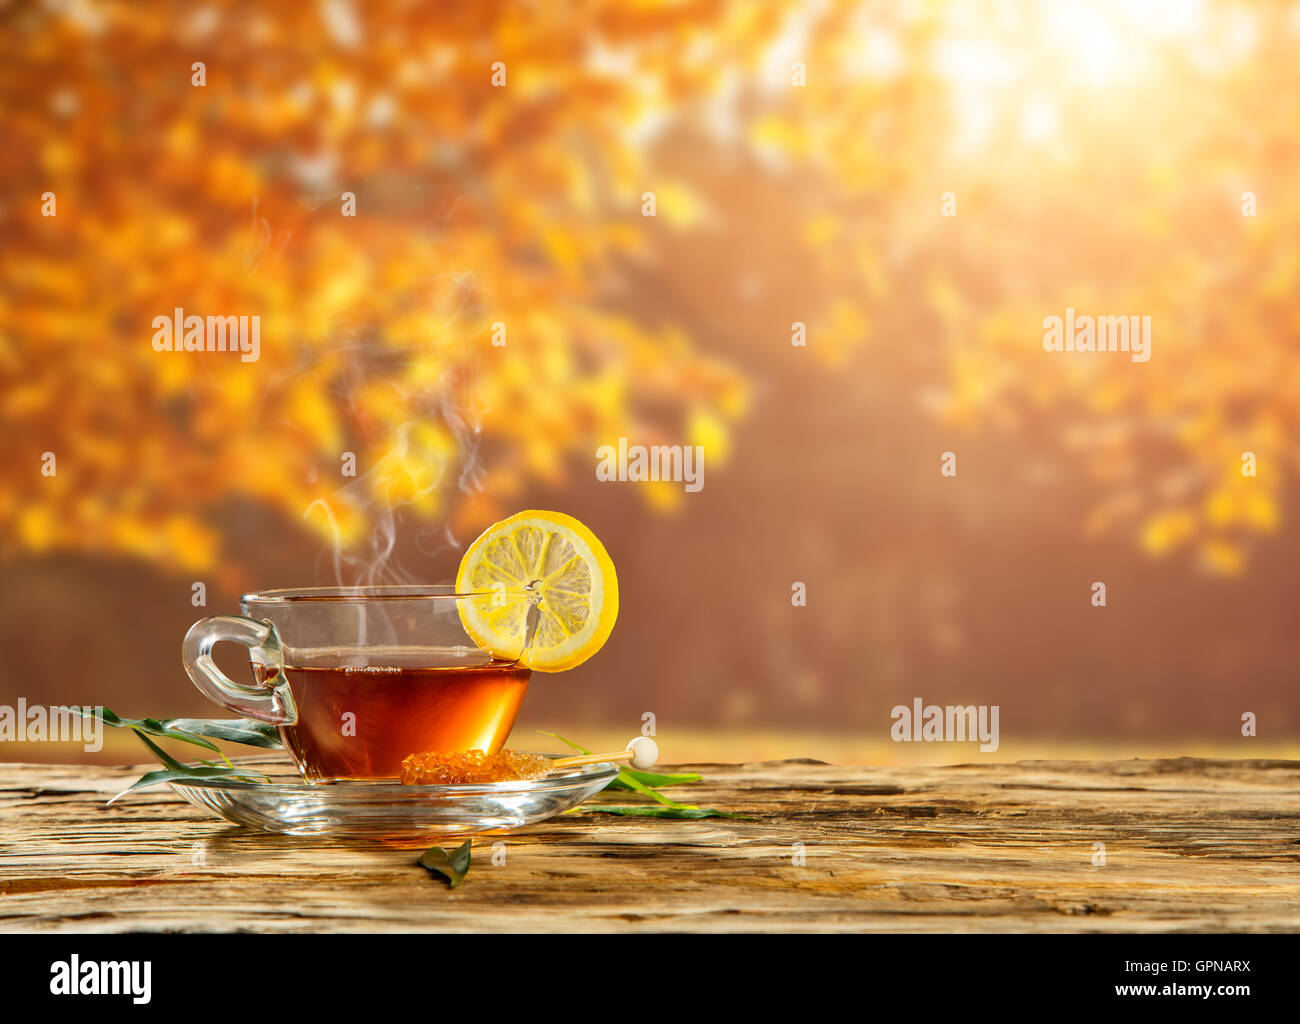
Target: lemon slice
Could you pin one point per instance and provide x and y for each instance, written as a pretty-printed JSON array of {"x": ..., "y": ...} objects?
[{"x": 549, "y": 562}]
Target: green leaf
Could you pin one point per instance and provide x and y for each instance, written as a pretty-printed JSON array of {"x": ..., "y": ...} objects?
[
  {"x": 146, "y": 725},
  {"x": 652, "y": 811},
  {"x": 183, "y": 772},
  {"x": 580, "y": 750},
  {"x": 161, "y": 754},
  {"x": 645, "y": 790},
  {"x": 452, "y": 866},
  {"x": 653, "y": 779},
  {"x": 189, "y": 730},
  {"x": 172, "y": 770},
  {"x": 247, "y": 731}
]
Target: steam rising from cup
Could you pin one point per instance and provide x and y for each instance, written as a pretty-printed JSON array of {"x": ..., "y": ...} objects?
[{"x": 409, "y": 481}]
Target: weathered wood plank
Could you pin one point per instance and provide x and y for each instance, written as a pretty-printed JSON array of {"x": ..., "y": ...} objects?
[{"x": 1189, "y": 845}]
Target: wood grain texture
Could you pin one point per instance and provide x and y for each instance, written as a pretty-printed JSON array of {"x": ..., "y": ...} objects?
[{"x": 1190, "y": 845}]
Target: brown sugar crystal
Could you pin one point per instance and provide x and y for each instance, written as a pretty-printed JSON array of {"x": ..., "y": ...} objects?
[{"x": 437, "y": 768}]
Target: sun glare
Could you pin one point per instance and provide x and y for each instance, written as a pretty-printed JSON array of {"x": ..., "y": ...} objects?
[{"x": 1024, "y": 62}]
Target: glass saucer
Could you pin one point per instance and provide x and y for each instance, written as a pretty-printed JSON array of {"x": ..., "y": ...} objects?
[{"x": 389, "y": 809}]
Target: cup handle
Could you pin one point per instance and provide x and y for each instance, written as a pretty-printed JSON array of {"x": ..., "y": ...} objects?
[{"x": 270, "y": 702}]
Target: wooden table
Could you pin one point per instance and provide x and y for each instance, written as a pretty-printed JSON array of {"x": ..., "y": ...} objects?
[{"x": 1188, "y": 845}]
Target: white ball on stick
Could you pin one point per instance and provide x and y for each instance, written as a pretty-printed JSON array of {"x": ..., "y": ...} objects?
[{"x": 645, "y": 753}]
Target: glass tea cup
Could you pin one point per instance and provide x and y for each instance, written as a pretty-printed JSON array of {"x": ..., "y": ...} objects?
[{"x": 357, "y": 678}]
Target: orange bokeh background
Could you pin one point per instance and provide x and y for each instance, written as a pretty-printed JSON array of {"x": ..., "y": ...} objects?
[{"x": 917, "y": 185}]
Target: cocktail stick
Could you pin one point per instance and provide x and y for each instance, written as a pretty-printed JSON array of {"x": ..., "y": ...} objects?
[{"x": 642, "y": 752}]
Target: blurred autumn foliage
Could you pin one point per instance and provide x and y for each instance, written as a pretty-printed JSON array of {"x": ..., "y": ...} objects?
[
  {"x": 1097, "y": 157},
  {"x": 475, "y": 205},
  {"x": 1143, "y": 163}
]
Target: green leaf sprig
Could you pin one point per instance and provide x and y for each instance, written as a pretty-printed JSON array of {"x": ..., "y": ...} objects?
[
  {"x": 645, "y": 783},
  {"x": 196, "y": 731},
  {"x": 653, "y": 811}
]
